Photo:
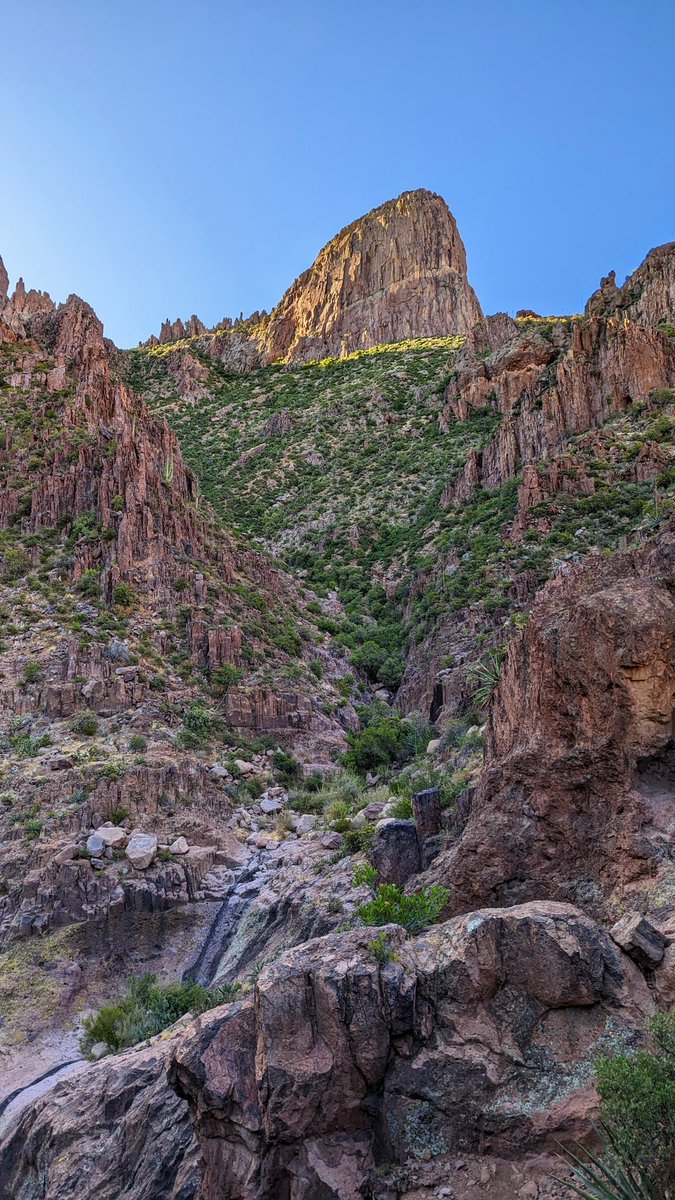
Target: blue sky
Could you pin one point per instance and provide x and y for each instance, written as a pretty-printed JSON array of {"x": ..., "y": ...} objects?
[{"x": 168, "y": 158}]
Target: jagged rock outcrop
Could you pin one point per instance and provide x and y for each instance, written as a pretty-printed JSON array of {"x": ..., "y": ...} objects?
[
  {"x": 576, "y": 798},
  {"x": 479, "y": 1034},
  {"x": 113, "y": 1130},
  {"x": 398, "y": 272}
]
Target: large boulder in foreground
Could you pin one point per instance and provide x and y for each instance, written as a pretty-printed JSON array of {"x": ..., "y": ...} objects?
[
  {"x": 114, "y": 1131},
  {"x": 479, "y": 1035}
]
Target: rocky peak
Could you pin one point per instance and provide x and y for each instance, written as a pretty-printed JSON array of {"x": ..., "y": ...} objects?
[
  {"x": 397, "y": 272},
  {"x": 4, "y": 283}
]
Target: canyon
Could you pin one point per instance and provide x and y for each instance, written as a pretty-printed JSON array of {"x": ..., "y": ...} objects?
[{"x": 373, "y": 591}]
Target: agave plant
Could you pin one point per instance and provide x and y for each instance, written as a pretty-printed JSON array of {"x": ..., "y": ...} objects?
[
  {"x": 608, "y": 1176},
  {"x": 484, "y": 675}
]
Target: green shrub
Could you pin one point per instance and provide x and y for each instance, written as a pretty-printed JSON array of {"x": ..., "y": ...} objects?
[
  {"x": 415, "y": 913},
  {"x": 85, "y": 723},
  {"x": 638, "y": 1100},
  {"x": 124, "y": 595},
  {"x": 32, "y": 672},
  {"x": 287, "y": 765},
  {"x": 357, "y": 840},
  {"x": 147, "y": 1008},
  {"x": 637, "y": 1110},
  {"x": 89, "y": 583},
  {"x": 225, "y": 677},
  {"x": 138, "y": 742},
  {"x": 117, "y": 815}
]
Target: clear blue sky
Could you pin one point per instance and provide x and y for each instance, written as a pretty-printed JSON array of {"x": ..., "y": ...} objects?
[{"x": 164, "y": 158}]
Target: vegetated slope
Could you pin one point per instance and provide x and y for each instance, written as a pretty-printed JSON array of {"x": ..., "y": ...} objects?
[
  {"x": 140, "y": 642},
  {"x": 432, "y": 486}
]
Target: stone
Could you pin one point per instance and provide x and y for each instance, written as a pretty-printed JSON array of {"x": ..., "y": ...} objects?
[
  {"x": 395, "y": 852},
  {"x": 218, "y": 771},
  {"x": 645, "y": 944},
  {"x": 305, "y": 823},
  {"x": 270, "y": 805},
  {"x": 605, "y": 631},
  {"x": 112, "y": 835},
  {"x": 427, "y": 813},
  {"x": 118, "y": 1111},
  {"x": 180, "y": 846},
  {"x": 332, "y": 841},
  {"x": 141, "y": 850},
  {"x": 99, "y": 864},
  {"x": 95, "y": 844},
  {"x": 434, "y": 745},
  {"x": 99, "y": 1050},
  {"x": 306, "y": 1053},
  {"x": 66, "y": 854},
  {"x": 244, "y": 768},
  {"x": 61, "y": 762}
]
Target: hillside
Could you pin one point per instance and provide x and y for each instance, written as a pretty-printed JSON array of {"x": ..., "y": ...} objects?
[
  {"x": 433, "y": 485},
  {"x": 337, "y": 674}
]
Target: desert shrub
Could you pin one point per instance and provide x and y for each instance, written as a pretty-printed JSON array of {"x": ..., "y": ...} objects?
[
  {"x": 89, "y": 583},
  {"x": 199, "y": 725},
  {"x": 306, "y": 802},
  {"x": 287, "y": 765},
  {"x": 147, "y": 1008},
  {"x": 637, "y": 1110},
  {"x": 124, "y": 595},
  {"x": 32, "y": 672},
  {"x": 117, "y": 815},
  {"x": 225, "y": 677},
  {"x": 84, "y": 723},
  {"x": 138, "y": 742},
  {"x": 484, "y": 677},
  {"x": 358, "y": 840},
  {"x": 638, "y": 1099},
  {"x": 389, "y": 906}
]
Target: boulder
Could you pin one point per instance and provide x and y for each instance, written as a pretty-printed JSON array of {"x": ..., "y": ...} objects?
[
  {"x": 141, "y": 850},
  {"x": 244, "y": 768},
  {"x": 268, "y": 805},
  {"x": 320, "y": 1097},
  {"x": 112, "y": 835},
  {"x": 434, "y": 745},
  {"x": 639, "y": 938},
  {"x": 95, "y": 844},
  {"x": 180, "y": 846},
  {"x": 305, "y": 823},
  {"x": 395, "y": 853},
  {"x": 331, "y": 841}
]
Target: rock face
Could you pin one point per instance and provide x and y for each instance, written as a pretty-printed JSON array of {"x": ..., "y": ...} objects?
[
  {"x": 341, "y": 1062},
  {"x": 114, "y": 1130},
  {"x": 398, "y": 272},
  {"x": 576, "y": 796}
]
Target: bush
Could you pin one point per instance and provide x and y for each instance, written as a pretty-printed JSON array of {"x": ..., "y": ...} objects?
[
  {"x": 89, "y": 583},
  {"x": 84, "y": 723},
  {"x": 138, "y": 742},
  {"x": 124, "y": 595},
  {"x": 637, "y": 1109},
  {"x": 31, "y": 673},
  {"x": 288, "y": 767},
  {"x": 199, "y": 725},
  {"x": 147, "y": 1008},
  {"x": 638, "y": 1100},
  {"x": 225, "y": 677},
  {"x": 390, "y": 906}
]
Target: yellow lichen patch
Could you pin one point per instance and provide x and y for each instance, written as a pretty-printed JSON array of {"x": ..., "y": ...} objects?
[{"x": 34, "y": 979}]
